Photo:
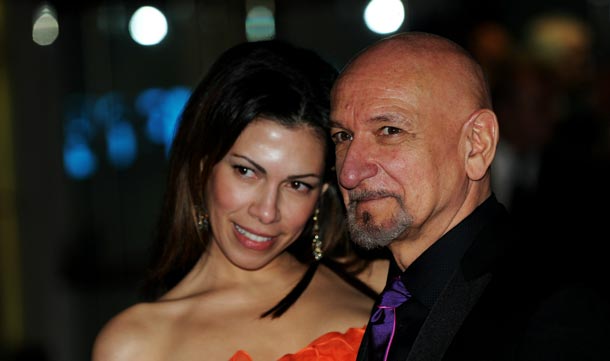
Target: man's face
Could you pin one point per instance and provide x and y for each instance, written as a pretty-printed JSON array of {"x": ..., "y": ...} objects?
[{"x": 398, "y": 159}]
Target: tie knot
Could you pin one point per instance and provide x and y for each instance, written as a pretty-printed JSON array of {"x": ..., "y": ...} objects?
[{"x": 394, "y": 294}]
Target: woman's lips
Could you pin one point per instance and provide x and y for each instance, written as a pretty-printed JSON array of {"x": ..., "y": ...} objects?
[{"x": 251, "y": 240}]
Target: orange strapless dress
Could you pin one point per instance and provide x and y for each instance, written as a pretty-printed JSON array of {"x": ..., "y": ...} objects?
[{"x": 333, "y": 346}]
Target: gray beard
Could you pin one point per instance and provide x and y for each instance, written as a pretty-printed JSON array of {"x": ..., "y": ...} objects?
[{"x": 367, "y": 233}]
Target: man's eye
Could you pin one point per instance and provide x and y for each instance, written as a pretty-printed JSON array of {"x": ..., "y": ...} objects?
[
  {"x": 390, "y": 131},
  {"x": 340, "y": 137}
]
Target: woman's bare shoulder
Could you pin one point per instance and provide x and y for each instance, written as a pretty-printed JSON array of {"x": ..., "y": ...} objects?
[{"x": 129, "y": 334}]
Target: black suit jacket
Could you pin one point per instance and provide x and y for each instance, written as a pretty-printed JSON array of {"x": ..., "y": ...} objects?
[{"x": 507, "y": 302}]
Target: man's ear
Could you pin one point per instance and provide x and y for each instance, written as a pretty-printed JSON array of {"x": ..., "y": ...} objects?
[{"x": 481, "y": 138}]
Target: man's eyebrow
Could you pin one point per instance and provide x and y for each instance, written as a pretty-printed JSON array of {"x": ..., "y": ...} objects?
[
  {"x": 382, "y": 118},
  {"x": 335, "y": 124},
  {"x": 389, "y": 117}
]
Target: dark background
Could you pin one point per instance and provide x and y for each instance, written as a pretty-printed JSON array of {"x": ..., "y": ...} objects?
[{"x": 74, "y": 251}]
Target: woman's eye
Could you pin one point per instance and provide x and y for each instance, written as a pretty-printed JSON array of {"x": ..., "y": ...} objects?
[
  {"x": 300, "y": 186},
  {"x": 340, "y": 137},
  {"x": 390, "y": 131},
  {"x": 244, "y": 171}
]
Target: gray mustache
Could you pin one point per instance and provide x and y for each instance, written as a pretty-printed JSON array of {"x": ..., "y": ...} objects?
[{"x": 365, "y": 195}]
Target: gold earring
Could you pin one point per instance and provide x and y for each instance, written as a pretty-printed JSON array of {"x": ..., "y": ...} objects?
[
  {"x": 316, "y": 243},
  {"x": 202, "y": 219}
]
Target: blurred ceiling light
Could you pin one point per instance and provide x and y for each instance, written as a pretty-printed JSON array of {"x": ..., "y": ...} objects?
[
  {"x": 148, "y": 26},
  {"x": 45, "y": 28},
  {"x": 564, "y": 43},
  {"x": 557, "y": 37},
  {"x": 384, "y": 16},
  {"x": 260, "y": 24}
]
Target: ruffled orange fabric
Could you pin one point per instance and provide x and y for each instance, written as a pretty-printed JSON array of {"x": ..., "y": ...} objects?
[{"x": 333, "y": 346}]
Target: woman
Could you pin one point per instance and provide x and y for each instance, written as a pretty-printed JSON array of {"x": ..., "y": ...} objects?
[{"x": 252, "y": 225}]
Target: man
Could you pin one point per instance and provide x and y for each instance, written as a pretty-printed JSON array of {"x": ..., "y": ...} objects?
[{"x": 415, "y": 138}]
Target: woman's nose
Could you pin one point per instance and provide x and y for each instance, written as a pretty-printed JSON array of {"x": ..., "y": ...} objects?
[{"x": 265, "y": 207}]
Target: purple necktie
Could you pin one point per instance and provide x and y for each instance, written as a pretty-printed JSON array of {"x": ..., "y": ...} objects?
[{"x": 383, "y": 323}]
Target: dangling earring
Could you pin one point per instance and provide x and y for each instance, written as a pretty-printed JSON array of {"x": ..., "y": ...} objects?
[
  {"x": 202, "y": 219},
  {"x": 316, "y": 243}
]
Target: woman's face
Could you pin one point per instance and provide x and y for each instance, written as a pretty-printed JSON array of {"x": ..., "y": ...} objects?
[{"x": 263, "y": 192}]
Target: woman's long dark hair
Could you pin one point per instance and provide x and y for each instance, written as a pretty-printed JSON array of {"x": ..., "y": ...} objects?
[{"x": 270, "y": 79}]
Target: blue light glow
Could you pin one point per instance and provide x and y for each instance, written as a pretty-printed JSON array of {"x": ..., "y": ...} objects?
[
  {"x": 79, "y": 160},
  {"x": 92, "y": 121},
  {"x": 122, "y": 144},
  {"x": 109, "y": 108},
  {"x": 161, "y": 108}
]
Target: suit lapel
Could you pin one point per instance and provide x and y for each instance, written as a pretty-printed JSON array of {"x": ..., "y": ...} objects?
[
  {"x": 446, "y": 317},
  {"x": 463, "y": 289}
]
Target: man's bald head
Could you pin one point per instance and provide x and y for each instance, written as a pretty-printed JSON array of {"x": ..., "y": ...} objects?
[{"x": 434, "y": 58}]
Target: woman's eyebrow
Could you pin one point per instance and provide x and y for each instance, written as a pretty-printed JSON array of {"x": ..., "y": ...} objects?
[
  {"x": 261, "y": 169},
  {"x": 299, "y": 176},
  {"x": 258, "y": 167}
]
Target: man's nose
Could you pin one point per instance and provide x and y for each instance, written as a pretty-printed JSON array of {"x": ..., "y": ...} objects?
[{"x": 355, "y": 165}]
